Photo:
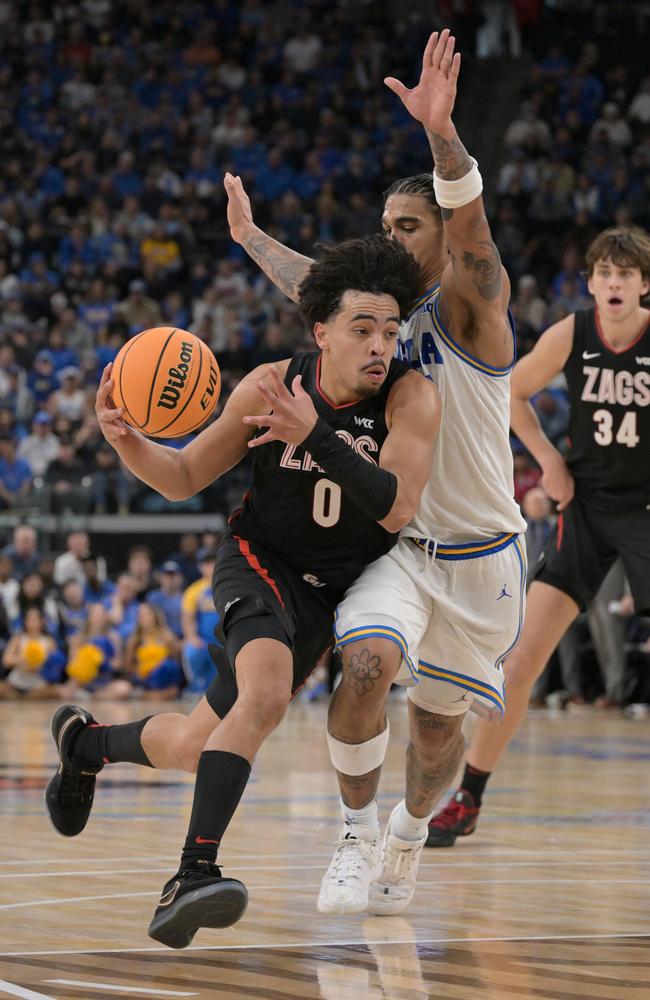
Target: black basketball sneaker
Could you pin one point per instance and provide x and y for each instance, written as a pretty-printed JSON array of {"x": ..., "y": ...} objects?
[
  {"x": 69, "y": 795},
  {"x": 193, "y": 898},
  {"x": 457, "y": 819}
]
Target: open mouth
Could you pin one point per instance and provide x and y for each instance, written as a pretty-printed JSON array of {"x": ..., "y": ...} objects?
[
  {"x": 376, "y": 372},
  {"x": 614, "y": 301}
]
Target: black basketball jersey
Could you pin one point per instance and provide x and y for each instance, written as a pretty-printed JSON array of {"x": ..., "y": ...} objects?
[
  {"x": 609, "y": 430},
  {"x": 295, "y": 510}
]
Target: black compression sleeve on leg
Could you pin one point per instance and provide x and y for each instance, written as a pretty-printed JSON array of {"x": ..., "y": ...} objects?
[{"x": 373, "y": 489}]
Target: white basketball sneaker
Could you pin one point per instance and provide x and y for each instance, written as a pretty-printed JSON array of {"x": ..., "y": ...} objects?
[
  {"x": 392, "y": 889},
  {"x": 345, "y": 884}
]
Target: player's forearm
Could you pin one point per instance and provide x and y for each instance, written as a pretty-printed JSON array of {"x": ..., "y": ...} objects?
[
  {"x": 284, "y": 267},
  {"x": 451, "y": 161},
  {"x": 161, "y": 468},
  {"x": 525, "y": 424}
]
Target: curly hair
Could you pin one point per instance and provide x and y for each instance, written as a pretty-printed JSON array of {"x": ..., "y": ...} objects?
[
  {"x": 626, "y": 246},
  {"x": 418, "y": 184},
  {"x": 370, "y": 264}
]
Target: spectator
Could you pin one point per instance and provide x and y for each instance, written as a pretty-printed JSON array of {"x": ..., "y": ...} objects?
[
  {"x": 69, "y": 565},
  {"x": 70, "y": 400},
  {"x": 151, "y": 657},
  {"x": 124, "y": 604},
  {"x": 138, "y": 311},
  {"x": 97, "y": 589},
  {"x": 199, "y": 622},
  {"x": 167, "y": 597},
  {"x": 15, "y": 475},
  {"x": 72, "y": 610},
  {"x": 68, "y": 481},
  {"x": 40, "y": 447},
  {"x": 23, "y": 551},
  {"x": 9, "y": 588},
  {"x": 95, "y": 657},
  {"x": 552, "y": 409},
  {"x": 111, "y": 488},
  {"x": 612, "y": 126},
  {"x": 34, "y": 663},
  {"x": 186, "y": 558},
  {"x": 139, "y": 567},
  {"x": 32, "y": 593},
  {"x": 639, "y": 109},
  {"x": 529, "y": 307}
]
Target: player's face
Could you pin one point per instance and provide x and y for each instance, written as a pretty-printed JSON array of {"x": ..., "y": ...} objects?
[
  {"x": 617, "y": 289},
  {"x": 408, "y": 219},
  {"x": 358, "y": 343}
]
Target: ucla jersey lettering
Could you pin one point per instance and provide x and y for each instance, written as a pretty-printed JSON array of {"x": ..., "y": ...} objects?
[{"x": 470, "y": 493}]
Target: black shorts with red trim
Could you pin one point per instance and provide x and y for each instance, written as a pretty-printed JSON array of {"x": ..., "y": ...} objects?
[
  {"x": 584, "y": 544},
  {"x": 259, "y": 596}
]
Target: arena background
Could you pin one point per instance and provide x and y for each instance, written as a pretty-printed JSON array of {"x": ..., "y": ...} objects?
[{"x": 117, "y": 123}]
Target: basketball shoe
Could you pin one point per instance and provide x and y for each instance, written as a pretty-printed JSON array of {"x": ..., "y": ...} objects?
[
  {"x": 344, "y": 886},
  {"x": 69, "y": 795},
  {"x": 392, "y": 889},
  {"x": 193, "y": 898},
  {"x": 457, "y": 819}
]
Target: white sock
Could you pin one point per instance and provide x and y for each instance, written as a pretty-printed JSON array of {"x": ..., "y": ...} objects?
[
  {"x": 362, "y": 823},
  {"x": 407, "y": 827}
]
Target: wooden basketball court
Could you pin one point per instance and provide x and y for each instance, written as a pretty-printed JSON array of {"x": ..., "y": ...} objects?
[{"x": 549, "y": 898}]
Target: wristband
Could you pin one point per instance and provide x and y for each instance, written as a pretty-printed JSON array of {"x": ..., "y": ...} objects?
[
  {"x": 455, "y": 194},
  {"x": 371, "y": 488}
]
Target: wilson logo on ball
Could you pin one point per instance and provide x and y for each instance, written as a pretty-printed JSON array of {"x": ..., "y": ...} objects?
[
  {"x": 171, "y": 392},
  {"x": 207, "y": 399},
  {"x": 168, "y": 382}
]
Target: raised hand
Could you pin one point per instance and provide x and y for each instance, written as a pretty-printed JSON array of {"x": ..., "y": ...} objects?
[
  {"x": 238, "y": 211},
  {"x": 109, "y": 416},
  {"x": 293, "y": 414},
  {"x": 431, "y": 102}
]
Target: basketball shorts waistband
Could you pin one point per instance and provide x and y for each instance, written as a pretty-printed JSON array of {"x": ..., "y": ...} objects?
[{"x": 465, "y": 550}]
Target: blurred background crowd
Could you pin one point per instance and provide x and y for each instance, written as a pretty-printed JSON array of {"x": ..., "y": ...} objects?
[{"x": 117, "y": 123}]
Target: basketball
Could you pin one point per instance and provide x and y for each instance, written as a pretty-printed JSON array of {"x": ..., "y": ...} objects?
[{"x": 167, "y": 381}]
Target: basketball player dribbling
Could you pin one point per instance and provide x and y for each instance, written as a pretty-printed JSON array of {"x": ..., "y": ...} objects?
[
  {"x": 338, "y": 471},
  {"x": 429, "y": 613},
  {"x": 602, "y": 488}
]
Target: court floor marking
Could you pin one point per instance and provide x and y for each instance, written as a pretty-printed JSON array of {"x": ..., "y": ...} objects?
[
  {"x": 611, "y": 936},
  {"x": 20, "y": 991},
  {"x": 476, "y": 852},
  {"x": 120, "y": 989},
  {"x": 317, "y": 867},
  {"x": 312, "y": 887}
]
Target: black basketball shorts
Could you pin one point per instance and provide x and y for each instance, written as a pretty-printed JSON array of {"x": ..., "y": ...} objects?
[
  {"x": 584, "y": 544},
  {"x": 259, "y": 596}
]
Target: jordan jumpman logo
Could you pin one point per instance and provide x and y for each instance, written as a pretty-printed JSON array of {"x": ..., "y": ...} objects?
[{"x": 504, "y": 593}]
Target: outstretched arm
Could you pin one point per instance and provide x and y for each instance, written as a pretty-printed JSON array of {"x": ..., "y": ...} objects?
[
  {"x": 530, "y": 375},
  {"x": 178, "y": 474},
  {"x": 284, "y": 267},
  {"x": 474, "y": 284}
]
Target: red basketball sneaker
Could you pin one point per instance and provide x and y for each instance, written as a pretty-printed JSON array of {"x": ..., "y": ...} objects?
[{"x": 457, "y": 819}]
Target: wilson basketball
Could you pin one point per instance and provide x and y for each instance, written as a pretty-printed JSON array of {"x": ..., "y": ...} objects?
[{"x": 167, "y": 380}]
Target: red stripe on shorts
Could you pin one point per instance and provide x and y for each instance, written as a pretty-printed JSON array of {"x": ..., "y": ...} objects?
[
  {"x": 254, "y": 563},
  {"x": 560, "y": 532}
]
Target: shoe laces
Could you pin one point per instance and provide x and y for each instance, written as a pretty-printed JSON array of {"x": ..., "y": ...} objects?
[
  {"x": 351, "y": 856},
  {"x": 399, "y": 863},
  {"x": 199, "y": 872},
  {"x": 74, "y": 785}
]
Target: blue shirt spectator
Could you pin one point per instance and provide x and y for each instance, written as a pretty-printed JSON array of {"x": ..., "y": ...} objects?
[{"x": 168, "y": 596}]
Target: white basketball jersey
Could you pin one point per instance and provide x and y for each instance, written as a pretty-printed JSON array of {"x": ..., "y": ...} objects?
[{"x": 470, "y": 495}]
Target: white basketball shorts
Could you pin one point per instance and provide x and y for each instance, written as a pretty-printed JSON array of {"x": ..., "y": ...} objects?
[{"x": 455, "y": 615}]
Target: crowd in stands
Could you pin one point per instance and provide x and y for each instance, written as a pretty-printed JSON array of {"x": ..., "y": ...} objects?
[
  {"x": 117, "y": 123},
  {"x": 66, "y": 627}
]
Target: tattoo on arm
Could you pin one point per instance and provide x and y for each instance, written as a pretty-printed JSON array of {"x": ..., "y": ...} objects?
[
  {"x": 283, "y": 266},
  {"x": 450, "y": 158},
  {"x": 484, "y": 268}
]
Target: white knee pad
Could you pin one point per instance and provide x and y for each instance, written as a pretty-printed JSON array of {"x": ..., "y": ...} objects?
[{"x": 358, "y": 758}]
